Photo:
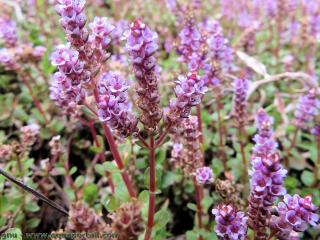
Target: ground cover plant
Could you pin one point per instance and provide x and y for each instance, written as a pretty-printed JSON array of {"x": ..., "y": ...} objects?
[{"x": 159, "y": 119}]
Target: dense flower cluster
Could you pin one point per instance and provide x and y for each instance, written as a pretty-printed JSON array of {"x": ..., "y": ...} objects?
[
  {"x": 141, "y": 47},
  {"x": 217, "y": 45},
  {"x": 100, "y": 38},
  {"x": 265, "y": 142},
  {"x": 127, "y": 221},
  {"x": 189, "y": 91},
  {"x": 66, "y": 85},
  {"x": 293, "y": 215},
  {"x": 83, "y": 219},
  {"x": 306, "y": 109},
  {"x": 316, "y": 130},
  {"x": 266, "y": 176},
  {"x": 204, "y": 175},
  {"x": 101, "y": 30},
  {"x": 8, "y": 32},
  {"x": 29, "y": 134},
  {"x": 7, "y": 59},
  {"x": 73, "y": 20},
  {"x": 231, "y": 224},
  {"x": 113, "y": 104},
  {"x": 190, "y": 46},
  {"x": 241, "y": 86},
  {"x": 5, "y": 152},
  {"x": 55, "y": 145},
  {"x": 186, "y": 152}
]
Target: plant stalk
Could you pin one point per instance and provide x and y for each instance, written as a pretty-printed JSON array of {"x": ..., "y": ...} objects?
[
  {"x": 152, "y": 188},
  {"x": 198, "y": 190},
  {"x": 101, "y": 154},
  {"x": 117, "y": 158},
  {"x": 317, "y": 165}
]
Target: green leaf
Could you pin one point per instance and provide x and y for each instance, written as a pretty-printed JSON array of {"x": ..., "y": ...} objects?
[
  {"x": 90, "y": 193},
  {"x": 61, "y": 170},
  {"x": 206, "y": 202},
  {"x": 33, "y": 223},
  {"x": 99, "y": 169},
  {"x": 161, "y": 218},
  {"x": 73, "y": 170},
  {"x": 192, "y": 206},
  {"x": 110, "y": 167},
  {"x": 307, "y": 178},
  {"x": 168, "y": 179},
  {"x": 32, "y": 207},
  {"x": 79, "y": 181},
  {"x": 290, "y": 183},
  {"x": 192, "y": 235},
  {"x": 12, "y": 234},
  {"x": 70, "y": 193},
  {"x": 112, "y": 204}
]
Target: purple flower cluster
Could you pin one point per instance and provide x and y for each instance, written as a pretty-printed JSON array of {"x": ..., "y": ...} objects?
[
  {"x": 266, "y": 176},
  {"x": 65, "y": 95},
  {"x": 190, "y": 46},
  {"x": 316, "y": 130},
  {"x": 141, "y": 47},
  {"x": 204, "y": 175},
  {"x": 218, "y": 46},
  {"x": 101, "y": 32},
  {"x": 29, "y": 134},
  {"x": 7, "y": 59},
  {"x": 113, "y": 105},
  {"x": 8, "y": 32},
  {"x": 265, "y": 142},
  {"x": 294, "y": 214},
  {"x": 193, "y": 156},
  {"x": 231, "y": 224},
  {"x": 66, "y": 85},
  {"x": 306, "y": 110},
  {"x": 189, "y": 91},
  {"x": 73, "y": 20},
  {"x": 186, "y": 152},
  {"x": 241, "y": 86},
  {"x": 68, "y": 63},
  {"x": 5, "y": 152}
]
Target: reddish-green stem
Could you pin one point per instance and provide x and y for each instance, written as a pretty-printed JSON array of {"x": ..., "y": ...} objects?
[
  {"x": 101, "y": 155},
  {"x": 317, "y": 164},
  {"x": 152, "y": 189},
  {"x": 115, "y": 153},
  {"x": 163, "y": 135},
  {"x": 220, "y": 131},
  {"x": 243, "y": 154},
  {"x": 198, "y": 190},
  {"x": 117, "y": 158},
  {"x": 199, "y": 123},
  {"x": 69, "y": 179},
  {"x": 35, "y": 99}
]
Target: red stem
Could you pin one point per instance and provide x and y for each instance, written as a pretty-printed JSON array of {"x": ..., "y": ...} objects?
[
  {"x": 67, "y": 166},
  {"x": 116, "y": 155},
  {"x": 198, "y": 190},
  {"x": 243, "y": 155},
  {"x": 163, "y": 135},
  {"x": 317, "y": 165},
  {"x": 117, "y": 158},
  {"x": 101, "y": 155},
  {"x": 152, "y": 189},
  {"x": 144, "y": 143},
  {"x": 220, "y": 131},
  {"x": 199, "y": 123},
  {"x": 35, "y": 99}
]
